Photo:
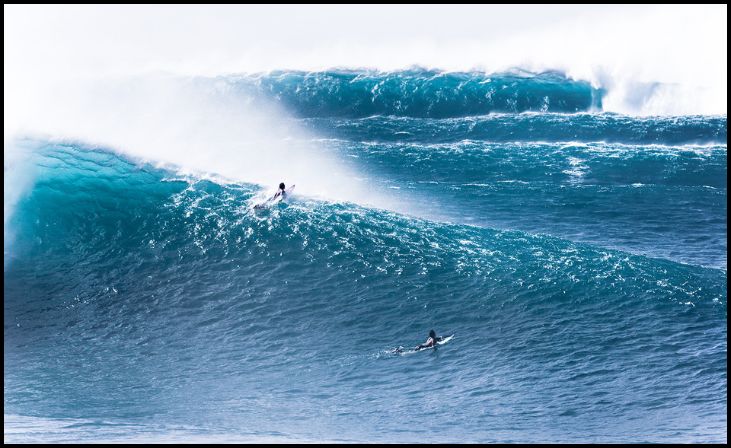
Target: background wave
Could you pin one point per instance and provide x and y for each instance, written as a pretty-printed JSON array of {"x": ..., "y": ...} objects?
[
  {"x": 529, "y": 127},
  {"x": 422, "y": 93}
]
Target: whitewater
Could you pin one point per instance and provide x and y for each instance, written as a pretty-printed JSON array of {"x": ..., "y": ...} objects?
[{"x": 568, "y": 228}]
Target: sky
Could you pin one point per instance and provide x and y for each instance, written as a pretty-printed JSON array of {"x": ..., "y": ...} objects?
[{"x": 214, "y": 39}]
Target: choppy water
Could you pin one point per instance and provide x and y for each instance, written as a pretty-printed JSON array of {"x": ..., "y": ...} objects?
[{"x": 579, "y": 258}]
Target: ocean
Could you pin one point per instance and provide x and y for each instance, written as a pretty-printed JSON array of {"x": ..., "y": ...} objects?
[{"x": 578, "y": 256}]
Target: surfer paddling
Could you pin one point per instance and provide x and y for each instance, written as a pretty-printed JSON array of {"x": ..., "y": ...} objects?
[{"x": 431, "y": 341}]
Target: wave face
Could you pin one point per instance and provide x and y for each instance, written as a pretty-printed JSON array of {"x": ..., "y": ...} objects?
[
  {"x": 579, "y": 260},
  {"x": 421, "y": 93}
]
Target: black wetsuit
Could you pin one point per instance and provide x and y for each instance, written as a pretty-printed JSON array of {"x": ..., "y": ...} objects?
[{"x": 437, "y": 339}]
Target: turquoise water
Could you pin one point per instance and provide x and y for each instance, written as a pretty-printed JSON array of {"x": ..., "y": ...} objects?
[{"x": 579, "y": 257}]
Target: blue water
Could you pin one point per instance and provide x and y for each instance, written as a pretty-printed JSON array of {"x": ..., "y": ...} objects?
[{"x": 578, "y": 256}]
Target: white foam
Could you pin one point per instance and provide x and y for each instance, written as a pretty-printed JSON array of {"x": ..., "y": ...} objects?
[
  {"x": 197, "y": 127},
  {"x": 19, "y": 174}
]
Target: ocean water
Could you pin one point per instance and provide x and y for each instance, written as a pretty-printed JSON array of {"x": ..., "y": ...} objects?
[{"x": 578, "y": 256}]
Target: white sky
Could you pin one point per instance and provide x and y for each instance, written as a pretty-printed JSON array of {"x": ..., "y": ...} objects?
[{"x": 244, "y": 38}]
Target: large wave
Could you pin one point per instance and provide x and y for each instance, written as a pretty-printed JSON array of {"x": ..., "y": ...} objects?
[{"x": 177, "y": 282}]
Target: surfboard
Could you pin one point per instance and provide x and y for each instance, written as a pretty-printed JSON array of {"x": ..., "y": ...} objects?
[{"x": 445, "y": 340}]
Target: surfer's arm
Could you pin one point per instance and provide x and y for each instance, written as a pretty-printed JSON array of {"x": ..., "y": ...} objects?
[{"x": 429, "y": 343}]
